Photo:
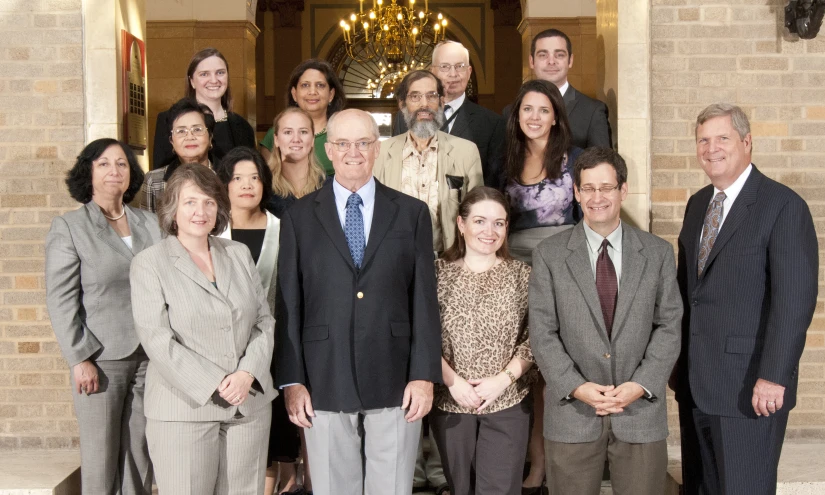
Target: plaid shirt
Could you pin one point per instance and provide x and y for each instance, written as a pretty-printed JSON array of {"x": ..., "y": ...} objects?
[{"x": 419, "y": 179}]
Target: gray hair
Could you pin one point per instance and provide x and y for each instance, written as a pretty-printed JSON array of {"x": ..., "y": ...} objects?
[
  {"x": 737, "y": 117},
  {"x": 331, "y": 123},
  {"x": 449, "y": 42}
]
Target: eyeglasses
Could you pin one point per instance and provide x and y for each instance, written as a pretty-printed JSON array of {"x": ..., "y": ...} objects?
[
  {"x": 605, "y": 189},
  {"x": 458, "y": 67},
  {"x": 196, "y": 130},
  {"x": 344, "y": 146},
  {"x": 416, "y": 97}
]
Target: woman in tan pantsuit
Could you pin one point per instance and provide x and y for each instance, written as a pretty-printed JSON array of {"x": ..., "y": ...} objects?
[
  {"x": 88, "y": 252},
  {"x": 202, "y": 316}
]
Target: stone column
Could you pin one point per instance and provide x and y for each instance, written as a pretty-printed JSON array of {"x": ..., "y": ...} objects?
[
  {"x": 624, "y": 41},
  {"x": 506, "y": 18},
  {"x": 282, "y": 27}
]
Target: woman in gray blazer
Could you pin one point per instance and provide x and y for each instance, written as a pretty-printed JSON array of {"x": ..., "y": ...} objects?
[
  {"x": 88, "y": 252},
  {"x": 202, "y": 316}
]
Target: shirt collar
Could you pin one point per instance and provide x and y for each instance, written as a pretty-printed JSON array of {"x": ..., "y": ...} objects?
[
  {"x": 734, "y": 189},
  {"x": 594, "y": 240},
  {"x": 563, "y": 88},
  {"x": 367, "y": 193},
  {"x": 456, "y": 104},
  {"x": 409, "y": 145}
]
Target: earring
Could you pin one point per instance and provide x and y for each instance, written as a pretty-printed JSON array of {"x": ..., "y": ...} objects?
[
  {"x": 554, "y": 123},
  {"x": 461, "y": 233}
]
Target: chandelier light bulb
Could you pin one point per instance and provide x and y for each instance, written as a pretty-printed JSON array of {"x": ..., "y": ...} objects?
[
  {"x": 420, "y": 14},
  {"x": 372, "y": 15},
  {"x": 415, "y": 31},
  {"x": 386, "y": 27},
  {"x": 440, "y": 16},
  {"x": 444, "y": 22},
  {"x": 342, "y": 23},
  {"x": 352, "y": 17}
]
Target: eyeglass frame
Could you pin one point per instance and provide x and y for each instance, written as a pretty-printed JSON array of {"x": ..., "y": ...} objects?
[
  {"x": 604, "y": 189},
  {"x": 431, "y": 97},
  {"x": 337, "y": 145},
  {"x": 459, "y": 68},
  {"x": 189, "y": 130}
]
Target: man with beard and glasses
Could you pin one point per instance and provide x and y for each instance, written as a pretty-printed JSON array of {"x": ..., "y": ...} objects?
[
  {"x": 439, "y": 169},
  {"x": 424, "y": 162},
  {"x": 464, "y": 118}
]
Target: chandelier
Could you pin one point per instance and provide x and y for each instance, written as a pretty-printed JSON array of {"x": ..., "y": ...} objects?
[{"x": 393, "y": 34}]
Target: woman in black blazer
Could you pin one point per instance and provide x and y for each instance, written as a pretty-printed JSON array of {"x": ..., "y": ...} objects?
[{"x": 207, "y": 81}]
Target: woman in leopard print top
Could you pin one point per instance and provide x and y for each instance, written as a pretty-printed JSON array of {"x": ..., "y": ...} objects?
[{"x": 480, "y": 416}]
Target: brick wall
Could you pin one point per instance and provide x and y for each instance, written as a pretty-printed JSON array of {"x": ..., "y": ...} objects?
[
  {"x": 705, "y": 51},
  {"x": 41, "y": 131}
]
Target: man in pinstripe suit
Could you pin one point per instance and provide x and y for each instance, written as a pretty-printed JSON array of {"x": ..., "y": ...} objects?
[{"x": 748, "y": 266}]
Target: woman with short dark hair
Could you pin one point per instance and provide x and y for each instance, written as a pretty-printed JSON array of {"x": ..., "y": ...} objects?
[
  {"x": 207, "y": 82},
  {"x": 480, "y": 419},
  {"x": 201, "y": 314},
  {"x": 191, "y": 127},
  {"x": 314, "y": 88},
  {"x": 88, "y": 296}
]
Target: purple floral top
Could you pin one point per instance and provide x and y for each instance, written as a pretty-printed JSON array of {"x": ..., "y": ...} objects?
[{"x": 549, "y": 203}]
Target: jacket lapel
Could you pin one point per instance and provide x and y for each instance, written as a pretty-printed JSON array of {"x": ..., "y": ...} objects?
[
  {"x": 222, "y": 263},
  {"x": 137, "y": 227},
  {"x": 461, "y": 125},
  {"x": 327, "y": 213},
  {"x": 382, "y": 216},
  {"x": 737, "y": 214},
  {"x": 579, "y": 264},
  {"x": 105, "y": 232},
  {"x": 692, "y": 231},
  {"x": 184, "y": 264},
  {"x": 633, "y": 265},
  {"x": 392, "y": 165},
  {"x": 570, "y": 99}
]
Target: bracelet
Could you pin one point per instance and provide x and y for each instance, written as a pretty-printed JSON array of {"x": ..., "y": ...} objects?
[
  {"x": 250, "y": 374},
  {"x": 510, "y": 374}
]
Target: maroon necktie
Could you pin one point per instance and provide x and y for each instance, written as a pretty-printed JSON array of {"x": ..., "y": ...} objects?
[{"x": 607, "y": 285}]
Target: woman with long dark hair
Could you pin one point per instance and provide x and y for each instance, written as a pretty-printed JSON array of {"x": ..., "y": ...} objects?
[
  {"x": 538, "y": 179},
  {"x": 314, "y": 88},
  {"x": 207, "y": 82},
  {"x": 538, "y": 184}
]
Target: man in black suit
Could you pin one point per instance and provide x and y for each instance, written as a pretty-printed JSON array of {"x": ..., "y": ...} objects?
[
  {"x": 551, "y": 58},
  {"x": 359, "y": 335},
  {"x": 465, "y": 119},
  {"x": 748, "y": 268}
]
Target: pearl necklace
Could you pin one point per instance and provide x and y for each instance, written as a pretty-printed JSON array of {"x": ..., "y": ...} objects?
[{"x": 114, "y": 219}]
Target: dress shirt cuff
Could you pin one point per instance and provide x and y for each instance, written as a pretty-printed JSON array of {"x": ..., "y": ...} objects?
[{"x": 287, "y": 385}]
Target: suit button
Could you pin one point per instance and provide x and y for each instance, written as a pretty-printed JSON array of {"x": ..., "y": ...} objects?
[
  {"x": 607, "y": 355},
  {"x": 695, "y": 302},
  {"x": 360, "y": 295}
]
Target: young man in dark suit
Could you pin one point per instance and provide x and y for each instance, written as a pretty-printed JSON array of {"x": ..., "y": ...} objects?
[
  {"x": 551, "y": 58},
  {"x": 358, "y": 329},
  {"x": 748, "y": 269}
]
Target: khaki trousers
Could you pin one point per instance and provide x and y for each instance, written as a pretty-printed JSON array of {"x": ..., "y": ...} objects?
[{"x": 577, "y": 468}]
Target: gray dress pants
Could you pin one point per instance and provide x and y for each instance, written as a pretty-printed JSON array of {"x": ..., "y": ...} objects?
[{"x": 114, "y": 455}]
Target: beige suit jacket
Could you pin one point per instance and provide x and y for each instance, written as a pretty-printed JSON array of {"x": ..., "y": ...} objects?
[
  {"x": 196, "y": 334},
  {"x": 457, "y": 157}
]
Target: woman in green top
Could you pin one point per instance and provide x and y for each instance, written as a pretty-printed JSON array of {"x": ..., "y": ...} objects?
[{"x": 315, "y": 89}]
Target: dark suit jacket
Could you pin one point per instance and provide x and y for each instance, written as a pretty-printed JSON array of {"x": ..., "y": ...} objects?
[
  {"x": 163, "y": 154},
  {"x": 355, "y": 337},
  {"x": 747, "y": 315},
  {"x": 588, "y": 120},
  {"x": 483, "y": 127}
]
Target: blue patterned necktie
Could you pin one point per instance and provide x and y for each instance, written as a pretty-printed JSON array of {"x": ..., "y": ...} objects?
[
  {"x": 710, "y": 229},
  {"x": 354, "y": 229}
]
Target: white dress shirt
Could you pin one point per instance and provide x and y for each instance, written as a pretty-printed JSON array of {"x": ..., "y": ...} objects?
[
  {"x": 731, "y": 193},
  {"x": 563, "y": 88},
  {"x": 367, "y": 193},
  {"x": 454, "y": 106}
]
